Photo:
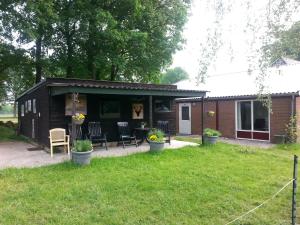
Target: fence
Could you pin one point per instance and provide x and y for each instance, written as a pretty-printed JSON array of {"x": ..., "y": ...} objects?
[{"x": 293, "y": 207}]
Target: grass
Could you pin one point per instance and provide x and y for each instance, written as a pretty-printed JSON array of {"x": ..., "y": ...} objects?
[
  {"x": 193, "y": 185},
  {"x": 8, "y": 134}
]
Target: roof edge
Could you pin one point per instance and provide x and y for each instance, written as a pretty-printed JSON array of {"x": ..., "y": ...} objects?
[{"x": 233, "y": 97}]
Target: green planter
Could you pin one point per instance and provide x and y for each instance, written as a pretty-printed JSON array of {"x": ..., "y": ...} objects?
[
  {"x": 156, "y": 146},
  {"x": 81, "y": 158}
]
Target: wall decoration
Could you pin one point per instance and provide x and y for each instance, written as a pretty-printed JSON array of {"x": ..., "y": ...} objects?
[
  {"x": 80, "y": 105},
  {"x": 137, "y": 111}
]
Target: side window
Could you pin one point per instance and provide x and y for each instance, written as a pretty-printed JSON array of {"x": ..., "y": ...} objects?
[
  {"x": 29, "y": 105},
  {"x": 34, "y": 105},
  {"x": 22, "y": 110},
  {"x": 26, "y": 106}
]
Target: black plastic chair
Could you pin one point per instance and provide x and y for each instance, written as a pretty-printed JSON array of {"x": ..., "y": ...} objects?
[
  {"x": 78, "y": 132},
  {"x": 95, "y": 134},
  {"x": 164, "y": 126},
  {"x": 125, "y": 136}
]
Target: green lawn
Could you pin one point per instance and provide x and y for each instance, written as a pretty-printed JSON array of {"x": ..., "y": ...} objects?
[{"x": 193, "y": 185}]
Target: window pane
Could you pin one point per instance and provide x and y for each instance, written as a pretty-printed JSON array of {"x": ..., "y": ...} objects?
[
  {"x": 162, "y": 105},
  {"x": 260, "y": 117},
  {"x": 244, "y": 115},
  {"x": 185, "y": 113}
]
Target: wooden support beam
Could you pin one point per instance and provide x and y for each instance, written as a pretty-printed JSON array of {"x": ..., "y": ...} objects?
[{"x": 150, "y": 111}]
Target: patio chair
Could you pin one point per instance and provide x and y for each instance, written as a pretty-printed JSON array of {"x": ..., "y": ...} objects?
[
  {"x": 164, "y": 126},
  {"x": 125, "y": 136},
  {"x": 78, "y": 132},
  {"x": 58, "y": 137},
  {"x": 95, "y": 133}
]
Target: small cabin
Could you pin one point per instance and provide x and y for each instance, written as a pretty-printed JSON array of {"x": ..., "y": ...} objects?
[{"x": 49, "y": 104}]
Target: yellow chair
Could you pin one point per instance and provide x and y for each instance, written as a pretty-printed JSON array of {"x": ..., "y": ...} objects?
[{"x": 58, "y": 137}]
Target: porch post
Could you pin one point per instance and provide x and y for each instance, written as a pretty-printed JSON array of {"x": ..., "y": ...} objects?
[
  {"x": 202, "y": 120},
  {"x": 73, "y": 132},
  {"x": 150, "y": 112}
]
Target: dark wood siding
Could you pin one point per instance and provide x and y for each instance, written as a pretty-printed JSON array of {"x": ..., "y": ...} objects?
[{"x": 41, "y": 117}]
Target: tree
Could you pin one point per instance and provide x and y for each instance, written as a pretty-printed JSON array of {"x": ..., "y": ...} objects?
[
  {"x": 31, "y": 21},
  {"x": 171, "y": 76},
  {"x": 287, "y": 43},
  {"x": 128, "y": 40}
]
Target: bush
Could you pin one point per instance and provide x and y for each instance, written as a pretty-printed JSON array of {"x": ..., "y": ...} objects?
[
  {"x": 211, "y": 132},
  {"x": 156, "y": 135},
  {"x": 291, "y": 130},
  {"x": 10, "y": 124},
  {"x": 82, "y": 146}
]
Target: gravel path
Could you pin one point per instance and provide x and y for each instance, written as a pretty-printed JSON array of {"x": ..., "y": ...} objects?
[{"x": 15, "y": 154}]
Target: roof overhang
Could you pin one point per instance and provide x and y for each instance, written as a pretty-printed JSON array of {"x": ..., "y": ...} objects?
[{"x": 58, "y": 90}]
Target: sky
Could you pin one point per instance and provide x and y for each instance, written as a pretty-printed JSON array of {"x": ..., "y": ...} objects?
[{"x": 232, "y": 57}]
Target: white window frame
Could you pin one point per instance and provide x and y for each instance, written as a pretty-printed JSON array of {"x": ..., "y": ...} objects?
[
  {"x": 29, "y": 105},
  {"x": 26, "y": 106},
  {"x": 34, "y": 105},
  {"x": 252, "y": 124},
  {"x": 22, "y": 110}
]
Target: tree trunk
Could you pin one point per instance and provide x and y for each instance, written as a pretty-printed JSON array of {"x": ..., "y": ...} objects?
[
  {"x": 69, "y": 57},
  {"x": 38, "y": 57},
  {"x": 113, "y": 72}
]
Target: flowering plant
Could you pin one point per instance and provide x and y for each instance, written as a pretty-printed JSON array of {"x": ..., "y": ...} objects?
[
  {"x": 156, "y": 135},
  {"x": 78, "y": 117},
  {"x": 211, "y": 113}
]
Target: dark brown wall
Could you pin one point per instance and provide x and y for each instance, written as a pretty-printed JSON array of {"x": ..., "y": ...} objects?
[
  {"x": 41, "y": 116},
  {"x": 281, "y": 112},
  {"x": 224, "y": 118}
]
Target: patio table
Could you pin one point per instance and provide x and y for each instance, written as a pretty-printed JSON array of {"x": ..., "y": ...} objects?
[{"x": 142, "y": 133}]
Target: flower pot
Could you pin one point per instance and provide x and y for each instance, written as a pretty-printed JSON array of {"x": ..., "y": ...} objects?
[
  {"x": 210, "y": 139},
  {"x": 156, "y": 146},
  {"x": 78, "y": 122},
  {"x": 81, "y": 158},
  {"x": 142, "y": 126}
]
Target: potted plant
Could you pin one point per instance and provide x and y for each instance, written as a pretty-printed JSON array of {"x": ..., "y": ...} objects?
[
  {"x": 82, "y": 151},
  {"x": 143, "y": 124},
  {"x": 156, "y": 140},
  {"x": 211, "y": 136},
  {"x": 78, "y": 118},
  {"x": 210, "y": 113}
]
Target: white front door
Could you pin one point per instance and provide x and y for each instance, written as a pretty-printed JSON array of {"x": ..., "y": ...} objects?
[{"x": 185, "y": 124}]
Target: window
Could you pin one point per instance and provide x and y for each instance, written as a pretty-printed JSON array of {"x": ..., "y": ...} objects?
[
  {"x": 29, "y": 105},
  {"x": 185, "y": 113},
  {"x": 244, "y": 115},
  {"x": 22, "y": 110},
  {"x": 252, "y": 116},
  {"x": 162, "y": 105},
  {"x": 26, "y": 108},
  {"x": 260, "y": 117},
  {"x": 110, "y": 109},
  {"x": 34, "y": 105}
]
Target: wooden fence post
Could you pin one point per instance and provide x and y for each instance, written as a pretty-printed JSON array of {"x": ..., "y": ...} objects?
[{"x": 295, "y": 173}]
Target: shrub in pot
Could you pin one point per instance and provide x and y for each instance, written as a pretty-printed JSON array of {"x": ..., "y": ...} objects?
[
  {"x": 211, "y": 136},
  {"x": 82, "y": 152},
  {"x": 156, "y": 140}
]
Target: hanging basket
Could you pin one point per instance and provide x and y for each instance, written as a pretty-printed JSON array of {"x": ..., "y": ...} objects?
[{"x": 78, "y": 122}]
